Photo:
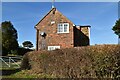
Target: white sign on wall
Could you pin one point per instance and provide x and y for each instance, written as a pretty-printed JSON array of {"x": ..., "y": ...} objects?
[{"x": 53, "y": 47}]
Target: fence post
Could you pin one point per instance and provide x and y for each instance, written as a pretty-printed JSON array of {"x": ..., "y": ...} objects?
[{"x": 9, "y": 61}]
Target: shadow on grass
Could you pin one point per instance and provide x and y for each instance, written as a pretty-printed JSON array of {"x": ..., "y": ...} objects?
[{"x": 9, "y": 71}]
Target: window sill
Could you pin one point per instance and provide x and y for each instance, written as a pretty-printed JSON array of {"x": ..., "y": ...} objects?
[{"x": 62, "y": 32}]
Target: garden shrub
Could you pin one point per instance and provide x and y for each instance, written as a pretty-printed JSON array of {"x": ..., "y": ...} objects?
[
  {"x": 99, "y": 61},
  {"x": 25, "y": 64},
  {"x": 22, "y": 51}
]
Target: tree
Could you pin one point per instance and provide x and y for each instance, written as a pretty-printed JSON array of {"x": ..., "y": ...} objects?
[
  {"x": 0, "y": 41},
  {"x": 116, "y": 29},
  {"x": 27, "y": 44},
  {"x": 22, "y": 51},
  {"x": 9, "y": 38}
]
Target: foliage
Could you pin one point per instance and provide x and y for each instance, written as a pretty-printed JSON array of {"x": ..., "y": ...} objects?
[
  {"x": 27, "y": 44},
  {"x": 116, "y": 27},
  {"x": 26, "y": 74},
  {"x": 100, "y": 61},
  {"x": 9, "y": 38},
  {"x": 0, "y": 41},
  {"x": 22, "y": 50},
  {"x": 25, "y": 63}
]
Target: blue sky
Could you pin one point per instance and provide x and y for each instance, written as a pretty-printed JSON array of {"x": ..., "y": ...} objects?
[{"x": 100, "y": 15}]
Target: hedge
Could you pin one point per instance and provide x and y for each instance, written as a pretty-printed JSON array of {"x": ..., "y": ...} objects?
[{"x": 99, "y": 61}]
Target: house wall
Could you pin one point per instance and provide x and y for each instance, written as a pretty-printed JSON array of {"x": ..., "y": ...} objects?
[
  {"x": 64, "y": 40},
  {"x": 81, "y": 36}
]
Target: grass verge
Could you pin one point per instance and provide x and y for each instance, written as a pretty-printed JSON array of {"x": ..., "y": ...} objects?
[{"x": 27, "y": 74}]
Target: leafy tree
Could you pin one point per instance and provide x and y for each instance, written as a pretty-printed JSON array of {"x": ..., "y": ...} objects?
[
  {"x": 116, "y": 28},
  {"x": 9, "y": 38},
  {"x": 0, "y": 41},
  {"x": 27, "y": 44},
  {"x": 22, "y": 51}
]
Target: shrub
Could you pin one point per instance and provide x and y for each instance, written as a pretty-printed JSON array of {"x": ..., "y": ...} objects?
[
  {"x": 22, "y": 51},
  {"x": 100, "y": 61},
  {"x": 25, "y": 64}
]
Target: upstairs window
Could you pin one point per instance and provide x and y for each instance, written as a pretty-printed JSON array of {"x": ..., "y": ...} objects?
[{"x": 63, "y": 28}]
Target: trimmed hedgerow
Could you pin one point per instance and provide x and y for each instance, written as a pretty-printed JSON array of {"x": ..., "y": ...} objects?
[{"x": 100, "y": 61}]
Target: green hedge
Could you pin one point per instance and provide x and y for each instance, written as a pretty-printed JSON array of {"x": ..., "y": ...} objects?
[{"x": 100, "y": 61}]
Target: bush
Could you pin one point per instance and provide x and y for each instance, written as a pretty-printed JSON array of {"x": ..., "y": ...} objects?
[
  {"x": 22, "y": 51},
  {"x": 25, "y": 63},
  {"x": 100, "y": 61}
]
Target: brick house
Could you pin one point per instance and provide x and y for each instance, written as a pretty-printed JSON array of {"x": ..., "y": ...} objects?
[{"x": 54, "y": 30}]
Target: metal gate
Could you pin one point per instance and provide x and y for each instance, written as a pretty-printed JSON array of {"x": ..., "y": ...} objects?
[{"x": 7, "y": 62}]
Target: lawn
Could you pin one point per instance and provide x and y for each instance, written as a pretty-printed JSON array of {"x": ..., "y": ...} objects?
[
  {"x": 14, "y": 71},
  {"x": 26, "y": 74}
]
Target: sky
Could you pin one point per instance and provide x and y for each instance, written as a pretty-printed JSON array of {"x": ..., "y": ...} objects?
[
  {"x": 60, "y": 0},
  {"x": 101, "y": 16}
]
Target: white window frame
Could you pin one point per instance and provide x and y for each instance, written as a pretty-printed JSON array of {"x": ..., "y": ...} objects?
[
  {"x": 62, "y": 27},
  {"x": 53, "y": 47}
]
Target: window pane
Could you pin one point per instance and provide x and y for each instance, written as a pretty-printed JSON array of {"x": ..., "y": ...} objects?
[
  {"x": 65, "y": 27},
  {"x": 60, "y": 28}
]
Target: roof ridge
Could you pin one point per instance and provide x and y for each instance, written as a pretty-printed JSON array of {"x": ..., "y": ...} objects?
[{"x": 45, "y": 16}]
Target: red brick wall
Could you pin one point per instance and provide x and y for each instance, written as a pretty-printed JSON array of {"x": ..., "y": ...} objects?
[{"x": 64, "y": 40}]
